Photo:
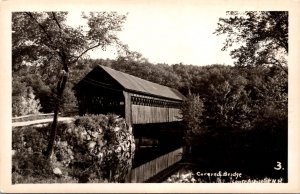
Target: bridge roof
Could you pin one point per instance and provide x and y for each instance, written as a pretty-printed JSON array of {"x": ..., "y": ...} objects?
[{"x": 138, "y": 85}]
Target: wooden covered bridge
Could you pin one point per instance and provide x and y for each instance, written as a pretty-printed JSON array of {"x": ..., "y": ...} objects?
[{"x": 151, "y": 109}]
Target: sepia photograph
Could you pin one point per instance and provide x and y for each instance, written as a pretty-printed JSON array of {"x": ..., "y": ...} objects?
[{"x": 150, "y": 92}]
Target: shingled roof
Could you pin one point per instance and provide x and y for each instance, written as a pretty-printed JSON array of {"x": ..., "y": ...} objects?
[{"x": 137, "y": 85}]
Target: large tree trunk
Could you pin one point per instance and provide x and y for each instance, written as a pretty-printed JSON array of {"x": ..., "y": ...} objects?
[{"x": 60, "y": 89}]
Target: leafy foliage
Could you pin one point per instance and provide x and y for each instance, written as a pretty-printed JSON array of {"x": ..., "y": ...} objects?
[
  {"x": 225, "y": 99},
  {"x": 44, "y": 37},
  {"x": 28, "y": 161},
  {"x": 244, "y": 120},
  {"x": 192, "y": 117},
  {"x": 140, "y": 67},
  {"x": 258, "y": 37},
  {"x": 24, "y": 100}
]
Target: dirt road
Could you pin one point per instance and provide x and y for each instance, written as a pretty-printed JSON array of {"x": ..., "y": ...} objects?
[{"x": 41, "y": 121}]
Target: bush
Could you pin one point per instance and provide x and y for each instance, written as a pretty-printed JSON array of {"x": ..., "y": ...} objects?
[
  {"x": 29, "y": 139},
  {"x": 28, "y": 162},
  {"x": 31, "y": 164},
  {"x": 25, "y": 103}
]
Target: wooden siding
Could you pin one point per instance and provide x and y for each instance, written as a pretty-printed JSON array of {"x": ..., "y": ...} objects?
[
  {"x": 174, "y": 114},
  {"x": 148, "y": 114},
  {"x": 153, "y": 167},
  {"x": 127, "y": 106}
]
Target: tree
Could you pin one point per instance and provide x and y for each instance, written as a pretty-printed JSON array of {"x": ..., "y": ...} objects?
[
  {"x": 24, "y": 100},
  {"x": 192, "y": 109},
  {"x": 258, "y": 37},
  {"x": 32, "y": 77},
  {"x": 44, "y": 39},
  {"x": 268, "y": 92},
  {"x": 182, "y": 71},
  {"x": 135, "y": 64}
]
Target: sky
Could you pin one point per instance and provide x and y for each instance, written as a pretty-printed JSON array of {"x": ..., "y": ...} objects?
[{"x": 178, "y": 33}]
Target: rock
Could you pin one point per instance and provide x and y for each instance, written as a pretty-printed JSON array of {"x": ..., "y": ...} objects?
[
  {"x": 118, "y": 149},
  {"x": 64, "y": 143},
  {"x": 57, "y": 171},
  {"x": 130, "y": 129},
  {"x": 95, "y": 134},
  {"x": 116, "y": 129},
  {"x": 29, "y": 150},
  {"x": 91, "y": 145}
]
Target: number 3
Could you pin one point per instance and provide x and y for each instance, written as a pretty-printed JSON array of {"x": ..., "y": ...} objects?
[{"x": 278, "y": 167}]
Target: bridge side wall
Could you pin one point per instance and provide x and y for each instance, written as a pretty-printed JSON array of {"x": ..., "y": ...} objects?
[{"x": 146, "y": 109}]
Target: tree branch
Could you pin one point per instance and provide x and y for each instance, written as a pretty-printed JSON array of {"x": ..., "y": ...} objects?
[
  {"x": 40, "y": 25},
  {"x": 279, "y": 64},
  {"x": 55, "y": 19},
  {"x": 44, "y": 30},
  {"x": 88, "y": 49}
]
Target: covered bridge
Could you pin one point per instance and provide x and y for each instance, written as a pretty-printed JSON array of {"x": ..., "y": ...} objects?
[
  {"x": 105, "y": 90},
  {"x": 151, "y": 109}
]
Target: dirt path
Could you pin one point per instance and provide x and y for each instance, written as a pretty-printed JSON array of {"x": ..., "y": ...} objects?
[{"x": 41, "y": 121}]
